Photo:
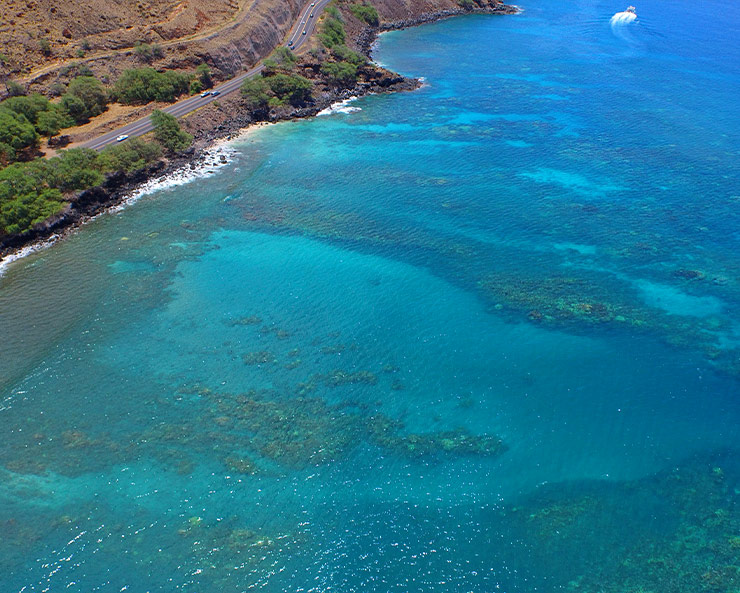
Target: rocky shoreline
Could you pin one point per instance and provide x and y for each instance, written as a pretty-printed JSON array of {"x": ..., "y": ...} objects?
[{"x": 118, "y": 186}]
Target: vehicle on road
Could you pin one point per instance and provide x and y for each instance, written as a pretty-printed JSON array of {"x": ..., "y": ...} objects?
[
  {"x": 216, "y": 93},
  {"x": 310, "y": 15},
  {"x": 304, "y": 31},
  {"x": 313, "y": 3},
  {"x": 122, "y": 137},
  {"x": 205, "y": 93}
]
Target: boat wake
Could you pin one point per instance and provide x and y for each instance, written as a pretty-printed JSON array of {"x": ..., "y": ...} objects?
[{"x": 623, "y": 18}]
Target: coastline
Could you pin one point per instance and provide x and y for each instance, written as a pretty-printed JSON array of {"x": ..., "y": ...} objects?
[{"x": 121, "y": 189}]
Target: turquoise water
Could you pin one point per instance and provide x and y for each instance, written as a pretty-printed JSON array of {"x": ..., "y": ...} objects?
[{"x": 483, "y": 336}]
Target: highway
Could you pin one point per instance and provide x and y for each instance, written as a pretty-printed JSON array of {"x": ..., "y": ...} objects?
[{"x": 306, "y": 22}]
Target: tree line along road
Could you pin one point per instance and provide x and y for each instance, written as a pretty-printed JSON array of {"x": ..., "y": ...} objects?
[{"x": 306, "y": 22}]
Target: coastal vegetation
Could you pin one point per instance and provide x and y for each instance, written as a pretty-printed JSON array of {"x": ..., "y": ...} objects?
[
  {"x": 168, "y": 133},
  {"x": 366, "y": 12},
  {"x": 139, "y": 86},
  {"x": 33, "y": 189},
  {"x": 332, "y": 30},
  {"x": 276, "y": 89},
  {"x": 31, "y": 192},
  {"x": 77, "y": 96}
]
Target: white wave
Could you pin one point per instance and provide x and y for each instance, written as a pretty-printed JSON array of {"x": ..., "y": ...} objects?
[
  {"x": 341, "y": 107},
  {"x": 208, "y": 165},
  {"x": 6, "y": 261},
  {"x": 623, "y": 18},
  {"x": 211, "y": 161}
]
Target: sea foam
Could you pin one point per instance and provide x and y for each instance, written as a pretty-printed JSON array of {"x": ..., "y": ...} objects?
[
  {"x": 212, "y": 160},
  {"x": 341, "y": 107}
]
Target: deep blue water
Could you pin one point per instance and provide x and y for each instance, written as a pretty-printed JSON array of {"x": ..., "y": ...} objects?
[{"x": 293, "y": 374}]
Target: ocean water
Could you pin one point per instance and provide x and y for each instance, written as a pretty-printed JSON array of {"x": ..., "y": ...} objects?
[{"x": 479, "y": 337}]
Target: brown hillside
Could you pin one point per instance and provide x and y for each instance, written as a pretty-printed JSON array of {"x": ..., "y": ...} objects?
[{"x": 71, "y": 27}]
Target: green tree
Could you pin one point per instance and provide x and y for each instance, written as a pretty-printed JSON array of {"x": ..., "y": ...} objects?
[
  {"x": 203, "y": 72},
  {"x": 196, "y": 86},
  {"x": 168, "y": 133},
  {"x": 92, "y": 94},
  {"x": 256, "y": 92},
  {"x": 341, "y": 74},
  {"x": 16, "y": 131},
  {"x": 7, "y": 154},
  {"x": 332, "y": 31},
  {"x": 142, "y": 85},
  {"x": 30, "y": 106},
  {"x": 74, "y": 107},
  {"x": 46, "y": 117},
  {"x": 25, "y": 196},
  {"x": 291, "y": 87},
  {"x": 367, "y": 13},
  {"x": 74, "y": 169},
  {"x": 51, "y": 122},
  {"x": 129, "y": 156}
]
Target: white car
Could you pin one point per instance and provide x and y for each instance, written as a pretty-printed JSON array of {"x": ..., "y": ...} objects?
[
  {"x": 205, "y": 93},
  {"x": 122, "y": 137}
]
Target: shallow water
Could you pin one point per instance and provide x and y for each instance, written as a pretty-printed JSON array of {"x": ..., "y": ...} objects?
[{"x": 294, "y": 374}]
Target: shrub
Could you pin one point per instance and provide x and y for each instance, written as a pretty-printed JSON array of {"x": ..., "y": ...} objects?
[
  {"x": 74, "y": 169},
  {"x": 332, "y": 30},
  {"x": 128, "y": 156},
  {"x": 203, "y": 72},
  {"x": 45, "y": 47},
  {"x": 256, "y": 92},
  {"x": 91, "y": 94},
  {"x": 147, "y": 52},
  {"x": 168, "y": 133},
  {"x": 345, "y": 54},
  {"x": 284, "y": 57},
  {"x": 341, "y": 74},
  {"x": 16, "y": 131},
  {"x": 14, "y": 88},
  {"x": 25, "y": 196},
  {"x": 290, "y": 87},
  {"x": 367, "y": 13},
  {"x": 50, "y": 122},
  {"x": 30, "y": 106},
  {"x": 142, "y": 85}
]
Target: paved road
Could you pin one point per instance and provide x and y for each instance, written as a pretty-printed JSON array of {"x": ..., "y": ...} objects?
[{"x": 306, "y": 22}]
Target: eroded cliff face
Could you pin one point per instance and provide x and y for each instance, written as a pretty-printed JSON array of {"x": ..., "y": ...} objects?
[{"x": 229, "y": 35}]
